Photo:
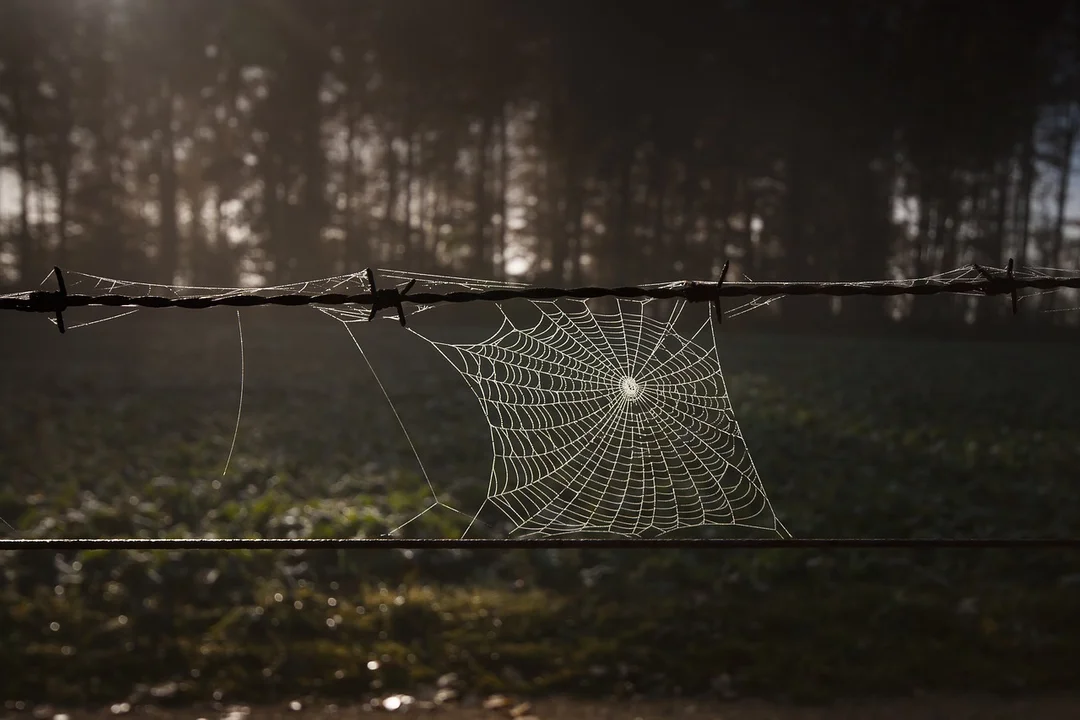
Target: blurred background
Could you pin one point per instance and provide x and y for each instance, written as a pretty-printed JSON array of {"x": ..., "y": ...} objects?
[
  {"x": 203, "y": 142},
  {"x": 270, "y": 141}
]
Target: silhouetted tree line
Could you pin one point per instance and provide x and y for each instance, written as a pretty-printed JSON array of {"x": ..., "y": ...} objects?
[{"x": 206, "y": 141}]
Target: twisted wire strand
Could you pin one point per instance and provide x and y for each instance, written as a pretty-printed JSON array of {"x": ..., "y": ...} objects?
[{"x": 693, "y": 291}]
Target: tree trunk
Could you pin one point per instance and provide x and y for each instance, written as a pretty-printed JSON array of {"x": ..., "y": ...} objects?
[
  {"x": 1068, "y": 146},
  {"x": 679, "y": 262},
  {"x": 1023, "y": 198},
  {"x": 996, "y": 245},
  {"x": 20, "y": 126},
  {"x": 390, "y": 209},
  {"x": 575, "y": 210},
  {"x": 801, "y": 241},
  {"x": 405, "y": 249},
  {"x": 504, "y": 190},
  {"x": 63, "y": 200},
  {"x": 424, "y": 212},
  {"x": 443, "y": 189},
  {"x": 558, "y": 176},
  {"x": 560, "y": 243},
  {"x": 169, "y": 256},
  {"x": 656, "y": 253},
  {"x": 482, "y": 245},
  {"x": 993, "y": 248},
  {"x": 308, "y": 247},
  {"x": 868, "y": 239},
  {"x": 623, "y": 250},
  {"x": 63, "y": 156},
  {"x": 353, "y": 250},
  {"x": 271, "y": 211}
]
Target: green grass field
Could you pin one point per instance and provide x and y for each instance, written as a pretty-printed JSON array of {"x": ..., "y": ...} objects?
[{"x": 123, "y": 429}]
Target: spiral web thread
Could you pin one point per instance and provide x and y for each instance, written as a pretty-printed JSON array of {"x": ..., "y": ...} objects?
[{"x": 611, "y": 423}]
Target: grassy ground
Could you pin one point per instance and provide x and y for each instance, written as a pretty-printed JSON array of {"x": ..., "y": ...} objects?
[
  {"x": 936, "y": 708},
  {"x": 124, "y": 428}
]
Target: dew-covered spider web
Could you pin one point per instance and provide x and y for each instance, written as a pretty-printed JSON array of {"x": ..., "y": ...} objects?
[
  {"x": 605, "y": 416},
  {"x": 605, "y": 421},
  {"x": 611, "y": 423}
]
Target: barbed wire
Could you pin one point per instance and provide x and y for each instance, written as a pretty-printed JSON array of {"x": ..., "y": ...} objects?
[
  {"x": 546, "y": 543},
  {"x": 988, "y": 284}
]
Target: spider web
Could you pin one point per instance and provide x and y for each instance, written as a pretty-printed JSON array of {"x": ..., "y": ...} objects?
[
  {"x": 611, "y": 423},
  {"x": 605, "y": 416},
  {"x": 614, "y": 421},
  {"x": 606, "y": 422}
]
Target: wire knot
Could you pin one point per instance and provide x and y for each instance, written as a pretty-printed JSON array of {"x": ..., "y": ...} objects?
[
  {"x": 1000, "y": 285},
  {"x": 387, "y": 297},
  {"x": 708, "y": 291},
  {"x": 54, "y": 301}
]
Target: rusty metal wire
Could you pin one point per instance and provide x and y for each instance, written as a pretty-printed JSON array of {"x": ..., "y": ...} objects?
[
  {"x": 56, "y": 302},
  {"x": 68, "y": 544}
]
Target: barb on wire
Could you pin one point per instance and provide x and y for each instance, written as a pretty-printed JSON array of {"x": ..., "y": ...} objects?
[
  {"x": 693, "y": 291},
  {"x": 47, "y": 301},
  {"x": 388, "y": 298},
  {"x": 716, "y": 298},
  {"x": 394, "y": 543},
  {"x": 1006, "y": 284}
]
